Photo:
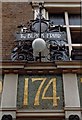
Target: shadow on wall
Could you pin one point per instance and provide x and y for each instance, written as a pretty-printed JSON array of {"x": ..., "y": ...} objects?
[{"x": 7, "y": 117}]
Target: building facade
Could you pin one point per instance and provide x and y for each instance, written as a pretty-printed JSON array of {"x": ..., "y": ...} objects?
[{"x": 46, "y": 85}]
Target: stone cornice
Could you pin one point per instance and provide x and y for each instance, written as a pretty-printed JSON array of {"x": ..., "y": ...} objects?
[{"x": 41, "y": 67}]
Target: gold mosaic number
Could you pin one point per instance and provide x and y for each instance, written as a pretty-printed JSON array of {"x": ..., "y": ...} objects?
[
  {"x": 54, "y": 97},
  {"x": 81, "y": 80},
  {"x": 36, "y": 102},
  {"x": 37, "y": 96},
  {"x": 0, "y": 86},
  {"x": 26, "y": 92}
]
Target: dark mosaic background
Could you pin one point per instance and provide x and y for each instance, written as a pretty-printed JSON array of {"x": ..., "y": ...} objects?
[
  {"x": 79, "y": 76},
  {"x": 33, "y": 87}
]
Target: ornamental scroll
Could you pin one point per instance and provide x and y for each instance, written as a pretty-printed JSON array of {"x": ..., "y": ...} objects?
[{"x": 40, "y": 92}]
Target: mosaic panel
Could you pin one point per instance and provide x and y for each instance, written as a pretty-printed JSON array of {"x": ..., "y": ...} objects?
[{"x": 40, "y": 92}]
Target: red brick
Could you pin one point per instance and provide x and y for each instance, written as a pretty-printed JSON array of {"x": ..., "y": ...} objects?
[{"x": 13, "y": 14}]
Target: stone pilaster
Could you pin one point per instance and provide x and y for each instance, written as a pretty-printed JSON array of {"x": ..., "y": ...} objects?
[
  {"x": 9, "y": 94},
  {"x": 71, "y": 95}
]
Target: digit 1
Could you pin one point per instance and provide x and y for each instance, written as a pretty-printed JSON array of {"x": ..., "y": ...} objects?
[
  {"x": 25, "y": 102},
  {"x": 0, "y": 86}
]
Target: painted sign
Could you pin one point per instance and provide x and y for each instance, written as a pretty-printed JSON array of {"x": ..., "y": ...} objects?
[
  {"x": 45, "y": 35},
  {"x": 40, "y": 92}
]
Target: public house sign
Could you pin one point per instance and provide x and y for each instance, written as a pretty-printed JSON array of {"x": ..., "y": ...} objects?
[
  {"x": 53, "y": 35},
  {"x": 46, "y": 35}
]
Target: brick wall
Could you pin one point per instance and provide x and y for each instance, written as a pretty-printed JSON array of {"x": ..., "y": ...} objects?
[{"x": 13, "y": 14}]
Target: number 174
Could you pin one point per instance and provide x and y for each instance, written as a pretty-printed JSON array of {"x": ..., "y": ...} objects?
[{"x": 37, "y": 96}]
